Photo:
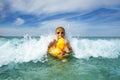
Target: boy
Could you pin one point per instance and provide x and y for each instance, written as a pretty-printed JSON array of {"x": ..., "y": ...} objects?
[{"x": 60, "y": 47}]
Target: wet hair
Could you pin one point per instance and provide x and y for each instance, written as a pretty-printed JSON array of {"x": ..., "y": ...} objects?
[{"x": 60, "y": 28}]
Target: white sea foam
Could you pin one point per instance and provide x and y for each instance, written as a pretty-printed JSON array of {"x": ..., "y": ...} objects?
[
  {"x": 31, "y": 49},
  {"x": 24, "y": 50},
  {"x": 106, "y": 48}
]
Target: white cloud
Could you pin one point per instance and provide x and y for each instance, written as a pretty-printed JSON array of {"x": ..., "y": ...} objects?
[
  {"x": 19, "y": 21},
  {"x": 58, "y": 6},
  {"x": 72, "y": 28},
  {"x": 48, "y": 7}
]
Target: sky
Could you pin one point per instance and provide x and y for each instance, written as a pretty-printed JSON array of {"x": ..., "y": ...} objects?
[{"x": 42, "y": 17}]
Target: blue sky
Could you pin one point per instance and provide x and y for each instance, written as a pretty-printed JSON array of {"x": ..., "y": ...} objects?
[{"x": 78, "y": 17}]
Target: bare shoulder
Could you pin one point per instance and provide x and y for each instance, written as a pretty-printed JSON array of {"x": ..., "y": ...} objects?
[
  {"x": 52, "y": 43},
  {"x": 68, "y": 45},
  {"x": 66, "y": 41}
]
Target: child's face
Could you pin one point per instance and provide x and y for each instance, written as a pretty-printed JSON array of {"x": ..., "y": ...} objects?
[{"x": 60, "y": 33}]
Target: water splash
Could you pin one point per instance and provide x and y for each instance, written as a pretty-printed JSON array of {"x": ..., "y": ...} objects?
[
  {"x": 18, "y": 50},
  {"x": 106, "y": 48}
]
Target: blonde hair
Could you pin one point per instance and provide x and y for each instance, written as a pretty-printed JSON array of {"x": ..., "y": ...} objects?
[{"x": 60, "y": 28}]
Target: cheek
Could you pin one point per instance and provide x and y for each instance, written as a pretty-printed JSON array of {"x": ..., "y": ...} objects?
[{"x": 63, "y": 34}]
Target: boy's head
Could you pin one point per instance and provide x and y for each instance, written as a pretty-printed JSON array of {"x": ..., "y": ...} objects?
[{"x": 60, "y": 32}]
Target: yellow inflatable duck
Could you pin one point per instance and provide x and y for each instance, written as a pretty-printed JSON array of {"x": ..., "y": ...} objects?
[{"x": 60, "y": 46}]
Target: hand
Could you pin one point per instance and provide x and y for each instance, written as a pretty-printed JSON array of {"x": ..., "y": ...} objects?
[
  {"x": 52, "y": 43},
  {"x": 63, "y": 52}
]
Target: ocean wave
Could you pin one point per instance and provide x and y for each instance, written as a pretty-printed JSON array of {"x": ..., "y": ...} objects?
[
  {"x": 24, "y": 50},
  {"x": 18, "y": 50},
  {"x": 106, "y": 48}
]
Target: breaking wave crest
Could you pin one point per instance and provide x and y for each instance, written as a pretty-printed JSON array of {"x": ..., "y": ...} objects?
[{"x": 18, "y": 50}]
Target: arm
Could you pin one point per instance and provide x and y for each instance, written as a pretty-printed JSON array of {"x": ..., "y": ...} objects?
[
  {"x": 52, "y": 44},
  {"x": 69, "y": 47}
]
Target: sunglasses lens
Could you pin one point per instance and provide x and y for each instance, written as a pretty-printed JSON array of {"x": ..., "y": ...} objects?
[
  {"x": 58, "y": 32},
  {"x": 62, "y": 32}
]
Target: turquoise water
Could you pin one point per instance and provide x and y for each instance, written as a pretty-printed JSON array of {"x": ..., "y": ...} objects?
[{"x": 26, "y": 58}]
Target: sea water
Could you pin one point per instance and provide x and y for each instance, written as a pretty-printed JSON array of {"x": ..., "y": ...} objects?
[{"x": 26, "y": 58}]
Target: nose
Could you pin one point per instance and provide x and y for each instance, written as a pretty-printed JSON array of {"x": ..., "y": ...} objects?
[{"x": 60, "y": 34}]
